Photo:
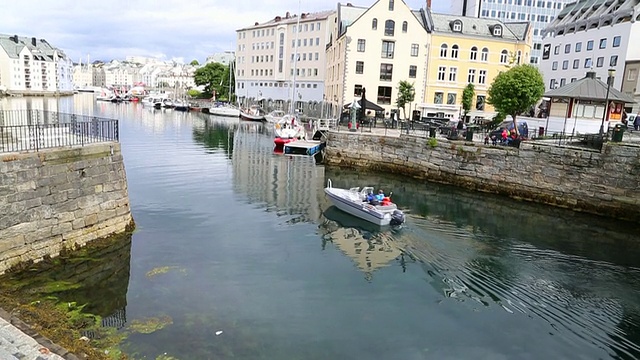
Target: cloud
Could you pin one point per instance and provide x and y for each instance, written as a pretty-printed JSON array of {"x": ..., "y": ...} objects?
[{"x": 115, "y": 29}]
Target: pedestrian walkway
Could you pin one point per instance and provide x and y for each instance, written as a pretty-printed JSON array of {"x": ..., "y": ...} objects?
[{"x": 19, "y": 342}]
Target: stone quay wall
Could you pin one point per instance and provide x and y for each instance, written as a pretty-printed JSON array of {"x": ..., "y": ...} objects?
[
  {"x": 60, "y": 199},
  {"x": 604, "y": 183}
]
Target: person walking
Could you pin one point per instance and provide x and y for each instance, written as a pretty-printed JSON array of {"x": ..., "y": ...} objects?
[{"x": 636, "y": 122}]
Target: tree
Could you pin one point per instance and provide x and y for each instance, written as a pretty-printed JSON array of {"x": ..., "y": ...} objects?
[
  {"x": 406, "y": 95},
  {"x": 467, "y": 99},
  {"x": 194, "y": 62},
  {"x": 211, "y": 76},
  {"x": 514, "y": 91}
]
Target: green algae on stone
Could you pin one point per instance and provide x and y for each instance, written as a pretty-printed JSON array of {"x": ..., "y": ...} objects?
[
  {"x": 166, "y": 357},
  {"x": 150, "y": 325}
]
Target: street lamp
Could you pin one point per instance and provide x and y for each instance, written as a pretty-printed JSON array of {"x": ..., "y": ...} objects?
[{"x": 611, "y": 73}]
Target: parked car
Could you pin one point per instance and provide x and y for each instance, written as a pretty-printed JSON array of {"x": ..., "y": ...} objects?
[{"x": 523, "y": 129}]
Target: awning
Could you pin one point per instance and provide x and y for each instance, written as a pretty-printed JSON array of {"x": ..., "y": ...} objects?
[{"x": 368, "y": 105}]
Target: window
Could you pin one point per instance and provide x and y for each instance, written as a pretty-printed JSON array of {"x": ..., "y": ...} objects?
[
  {"x": 588, "y": 63},
  {"x": 412, "y": 71},
  {"x": 474, "y": 53},
  {"x": 632, "y": 74},
  {"x": 484, "y": 56},
  {"x": 497, "y": 30},
  {"x": 357, "y": 90},
  {"x": 614, "y": 60},
  {"x": 603, "y": 43},
  {"x": 414, "y": 49},
  {"x": 600, "y": 61},
  {"x": 471, "y": 77},
  {"x": 452, "y": 74},
  {"x": 387, "y": 49},
  {"x": 567, "y": 48},
  {"x": 404, "y": 26},
  {"x": 556, "y": 50},
  {"x": 442, "y": 73},
  {"x": 438, "y": 98},
  {"x": 390, "y": 5},
  {"x": 554, "y": 65},
  {"x": 573, "y": 79},
  {"x": 389, "y": 27},
  {"x": 576, "y": 63},
  {"x": 443, "y": 50},
  {"x": 565, "y": 64},
  {"x": 563, "y": 82},
  {"x": 457, "y": 26},
  {"x": 359, "y": 67},
  {"x": 454, "y": 52},
  {"x": 578, "y": 47},
  {"x": 482, "y": 77},
  {"x": 384, "y": 95},
  {"x": 480, "y": 101},
  {"x": 616, "y": 41},
  {"x": 386, "y": 72},
  {"x": 361, "y": 45},
  {"x": 552, "y": 84},
  {"x": 374, "y": 24},
  {"x": 504, "y": 57},
  {"x": 589, "y": 45},
  {"x": 451, "y": 98}
]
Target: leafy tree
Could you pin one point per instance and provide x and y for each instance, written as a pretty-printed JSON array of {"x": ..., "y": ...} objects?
[
  {"x": 226, "y": 81},
  {"x": 516, "y": 90},
  {"x": 406, "y": 95},
  {"x": 193, "y": 93},
  {"x": 194, "y": 62},
  {"x": 467, "y": 98},
  {"x": 212, "y": 77}
]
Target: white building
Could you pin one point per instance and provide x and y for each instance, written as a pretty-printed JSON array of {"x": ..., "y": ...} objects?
[
  {"x": 266, "y": 62},
  {"x": 177, "y": 77},
  {"x": 539, "y": 12},
  {"x": 123, "y": 74},
  {"x": 224, "y": 58},
  {"x": 374, "y": 49},
  {"x": 589, "y": 34},
  {"x": 31, "y": 66}
]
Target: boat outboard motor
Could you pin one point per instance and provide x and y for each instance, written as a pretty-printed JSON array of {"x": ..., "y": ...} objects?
[{"x": 397, "y": 218}]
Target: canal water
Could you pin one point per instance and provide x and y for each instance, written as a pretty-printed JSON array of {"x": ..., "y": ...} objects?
[{"x": 238, "y": 254}]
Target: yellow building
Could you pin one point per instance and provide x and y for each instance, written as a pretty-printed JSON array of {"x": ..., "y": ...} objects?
[{"x": 465, "y": 50}]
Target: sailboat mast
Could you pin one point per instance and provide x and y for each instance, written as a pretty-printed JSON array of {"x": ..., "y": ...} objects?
[{"x": 295, "y": 62}]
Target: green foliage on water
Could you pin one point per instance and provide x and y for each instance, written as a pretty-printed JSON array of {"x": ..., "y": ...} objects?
[
  {"x": 150, "y": 325},
  {"x": 163, "y": 270}
]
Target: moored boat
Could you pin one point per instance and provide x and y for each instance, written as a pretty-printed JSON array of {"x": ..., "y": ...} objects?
[
  {"x": 254, "y": 113},
  {"x": 274, "y": 116},
  {"x": 224, "y": 110},
  {"x": 288, "y": 129},
  {"x": 354, "y": 201}
]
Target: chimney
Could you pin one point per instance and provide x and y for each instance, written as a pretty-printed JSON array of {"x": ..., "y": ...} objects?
[
  {"x": 287, "y": 15},
  {"x": 303, "y": 16},
  {"x": 33, "y": 41},
  {"x": 429, "y": 4},
  {"x": 256, "y": 23},
  {"x": 591, "y": 74},
  {"x": 15, "y": 39},
  {"x": 278, "y": 18}
]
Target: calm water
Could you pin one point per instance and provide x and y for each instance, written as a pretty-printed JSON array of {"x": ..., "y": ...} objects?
[{"x": 253, "y": 249}]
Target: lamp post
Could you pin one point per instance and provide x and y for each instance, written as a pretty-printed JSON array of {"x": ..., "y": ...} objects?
[{"x": 611, "y": 73}]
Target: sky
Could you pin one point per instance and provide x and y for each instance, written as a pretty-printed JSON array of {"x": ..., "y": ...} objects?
[{"x": 180, "y": 30}]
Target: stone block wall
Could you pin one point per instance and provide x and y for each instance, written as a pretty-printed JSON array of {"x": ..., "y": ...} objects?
[
  {"x": 605, "y": 183},
  {"x": 60, "y": 198}
]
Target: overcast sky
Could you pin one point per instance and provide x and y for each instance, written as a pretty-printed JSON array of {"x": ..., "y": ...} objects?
[{"x": 169, "y": 29}]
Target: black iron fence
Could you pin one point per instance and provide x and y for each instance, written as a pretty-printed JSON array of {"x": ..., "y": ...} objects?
[{"x": 33, "y": 130}]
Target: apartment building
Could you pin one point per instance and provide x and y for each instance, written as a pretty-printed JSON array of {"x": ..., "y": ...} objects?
[
  {"x": 31, "y": 66},
  {"x": 267, "y": 68},
  {"x": 374, "y": 48},
  {"x": 468, "y": 50},
  {"x": 225, "y": 58},
  {"x": 594, "y": 35},
  {"x": 540, "y": 13}
]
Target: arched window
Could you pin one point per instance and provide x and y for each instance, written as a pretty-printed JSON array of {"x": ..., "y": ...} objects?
[
  {"x": 504, "y": 57},
  {"x": 374, "y": 24},
  {"x": 485, "y": 55},
  {"x": 519, "y": 57},
  {"x": 454, "y": 51},
  {"x": 404, "y": 26},
  {"x": 474, "y": 53},
  {"x": 389, "y": 27},
  {"x": 443, "y": 50}
]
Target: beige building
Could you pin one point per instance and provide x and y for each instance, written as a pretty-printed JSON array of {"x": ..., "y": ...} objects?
[
  {"x": 267, "y": 68},
  {"x": 374, "y": 49}
]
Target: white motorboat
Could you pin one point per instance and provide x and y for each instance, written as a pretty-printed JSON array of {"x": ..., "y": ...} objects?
[
  {"x": 224, "y": 110},
  {"x": 274, "y": 116},
  {"x": 288, "y": 129},
  {"x": 254, "y": 113},
  {"x": 354, "y": 201}
]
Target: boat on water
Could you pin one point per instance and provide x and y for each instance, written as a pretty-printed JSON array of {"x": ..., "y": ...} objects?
[
  {"x": 274, "y": 116},
  {"x": 254, "y": 113},
  {"x": 224, "y": 110},
  {"x": 355, "y": 202},
  {"x": 288, "y": 129}
]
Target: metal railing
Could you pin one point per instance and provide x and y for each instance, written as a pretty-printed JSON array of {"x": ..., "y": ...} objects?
[{"x": 34, "y": 130}]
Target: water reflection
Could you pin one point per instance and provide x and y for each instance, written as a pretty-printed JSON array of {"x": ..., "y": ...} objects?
[{"x": 216, "y": 133}]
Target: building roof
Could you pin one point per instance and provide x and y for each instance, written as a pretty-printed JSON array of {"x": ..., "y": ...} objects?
[
  {"x": 348, "y": 14},
  {"x": 442, "y": 23},
  {"x": 13, "y": 45},
  {"x": 290, "y": 19},
  {"x": 590, "y": 14},
  {"x": 589, "y": 88}
]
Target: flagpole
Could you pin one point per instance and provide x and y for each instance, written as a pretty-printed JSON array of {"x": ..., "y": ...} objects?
[{"x": 295, "y": 62}]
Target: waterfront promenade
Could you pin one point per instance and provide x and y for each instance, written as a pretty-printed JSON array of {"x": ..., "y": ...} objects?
[{"x": 19, "y": 342}]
